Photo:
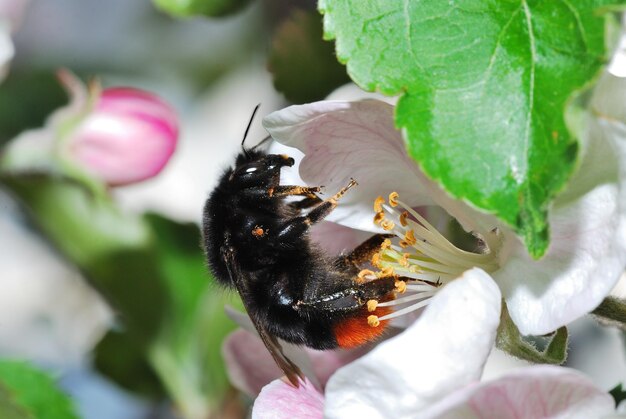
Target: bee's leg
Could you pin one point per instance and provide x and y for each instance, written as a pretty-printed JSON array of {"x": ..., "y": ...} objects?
[
  {"x": 298, "y": 225},
  {"x": 363, "y": 252},
  {"x": 305, "y": 203},
  {"x": 286, "y": 190},
  {"x": 325, "y": 207},
  {"x": 349, "y": 298}
]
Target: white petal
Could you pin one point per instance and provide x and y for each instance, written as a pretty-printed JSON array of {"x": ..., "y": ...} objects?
[
  {"x": 534, "y": 392},
  {"x": 343, "y": 140},
  {"x": 350, "y": 92},
  {"x": 446, "y": 348},
  {"x": 582, "y": 264}
]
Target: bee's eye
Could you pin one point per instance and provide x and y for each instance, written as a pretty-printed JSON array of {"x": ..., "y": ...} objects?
[{"x": 250, "y": 169}]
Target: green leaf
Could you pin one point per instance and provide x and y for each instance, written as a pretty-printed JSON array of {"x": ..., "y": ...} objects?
[
  {"x": 484, "y": 87},
  {"x": 511, "y": 341},
  {"x": 303, "y": 65},
  {"x": 187, "y": 8},
  {"x": 618, "y": 393},
  {"x": 26, "y": 392}
]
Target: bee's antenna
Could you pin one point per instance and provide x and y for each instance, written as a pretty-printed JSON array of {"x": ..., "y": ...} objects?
[
  {"x": 256, "y": 108},
  {"x": 263, "y": 141}
]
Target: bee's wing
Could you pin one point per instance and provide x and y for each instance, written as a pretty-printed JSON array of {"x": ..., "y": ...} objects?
[{"x": 291, "y": 370}]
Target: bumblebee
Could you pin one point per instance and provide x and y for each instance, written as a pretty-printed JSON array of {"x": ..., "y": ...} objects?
[{"x": 258, "y": 242}]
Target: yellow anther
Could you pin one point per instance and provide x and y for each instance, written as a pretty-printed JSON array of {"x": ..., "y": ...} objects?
[
  {"x": 378, "y": 204},
  {"x": 376, "y": 260},
  {"x": 393, "y": 199},
  {"x": 403, "y": 218},
  {"x": 409, "y": 237},
  {"x": 364, "y": 273},
  {"x": 386, "y": 244},
  {"x": 387, "y": 225},
  {"x": 371, "y": 305},
  {"x": 403, "y": 244},
  {"x": 379, "y": 217},
  {"x": 373, "y": 321},
  {"x": 400, "y": 286},
  {"x": 404, "y": 260}
]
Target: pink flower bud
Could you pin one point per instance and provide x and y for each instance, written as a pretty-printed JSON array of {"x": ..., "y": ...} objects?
[{"x": 129, "y": 136}]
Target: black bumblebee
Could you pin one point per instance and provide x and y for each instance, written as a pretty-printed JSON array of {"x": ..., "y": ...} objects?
[{"x": 258, "y": 242}]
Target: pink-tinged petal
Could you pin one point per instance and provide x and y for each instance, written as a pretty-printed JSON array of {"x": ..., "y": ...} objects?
[
  {"x": 129, "y": 137},
  {"x": 582, "y": 265},
  {"x": 334, "y": 238},
  {"x": 530, "y": 393},
  {"x": 248, "y": 363},
  {"x": 280, "y": 400},
  {"x": 344, "y": 140},
  {"x": 250, "y": 366},
  {"x": 444, "y": 349}
]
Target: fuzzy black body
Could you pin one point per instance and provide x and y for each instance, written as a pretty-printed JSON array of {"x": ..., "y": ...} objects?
[{"x": 258, "y": 243}]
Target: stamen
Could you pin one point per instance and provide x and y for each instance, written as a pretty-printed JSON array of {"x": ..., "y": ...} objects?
[
  {"x": 400, "y": 286},
  {"x": 403, "y": 218},
  {"x": 371, "y": 305},
  {"x": 387, "y": 224},
  {"x": 404, "y": 310},
  {"x": 373, "y": 321},
  {"x": 376, "y": 260},
  {"x": 408, "y": 298},
  {"x": 409, "y": 238},
  {"x": 393, "y": 199},
  {"x": 423, "y": 257},
  {"x": 378, "y": 204}
]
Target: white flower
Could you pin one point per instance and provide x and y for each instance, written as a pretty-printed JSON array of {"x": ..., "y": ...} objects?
[
  {"x": 342, "y": 140},
  {"x": 432, "y": 369}
]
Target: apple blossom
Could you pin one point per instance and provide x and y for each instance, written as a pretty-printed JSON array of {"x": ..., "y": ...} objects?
[
  {"x": 428, "y": 371},
  {"x": 116, "y": 136},
  {"x": 586, "y": 255}
]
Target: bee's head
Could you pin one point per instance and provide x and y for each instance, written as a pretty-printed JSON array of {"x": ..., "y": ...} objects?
[{"x": 258, "y": 168}]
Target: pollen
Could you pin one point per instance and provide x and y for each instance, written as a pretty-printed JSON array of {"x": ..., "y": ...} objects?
[
  {"x": 403, "y": 218},
  {"x": 393, "y": 199},
  {"x": 387, "y": 225},
  {"x": 378, "y": 204},
  {"x": 386, "y": 244},
  {"x": 409, "y": 237},
  {"x": 371, "y": 305},
  {"x": 400, "y": 287},
  {"x": 379, "y": 217},
  {"x": 404, "y": 260},
  {"x": 376, "y": 260},
  {"x": 373, "y": 321}
]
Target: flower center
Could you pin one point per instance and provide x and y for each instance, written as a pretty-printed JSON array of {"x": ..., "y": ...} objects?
[{"x": 423, "y": 257}]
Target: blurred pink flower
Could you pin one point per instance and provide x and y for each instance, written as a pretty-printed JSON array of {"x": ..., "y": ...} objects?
[
  {"x": 129, "y": 136},
  {"x": 114, "y": 136}
]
